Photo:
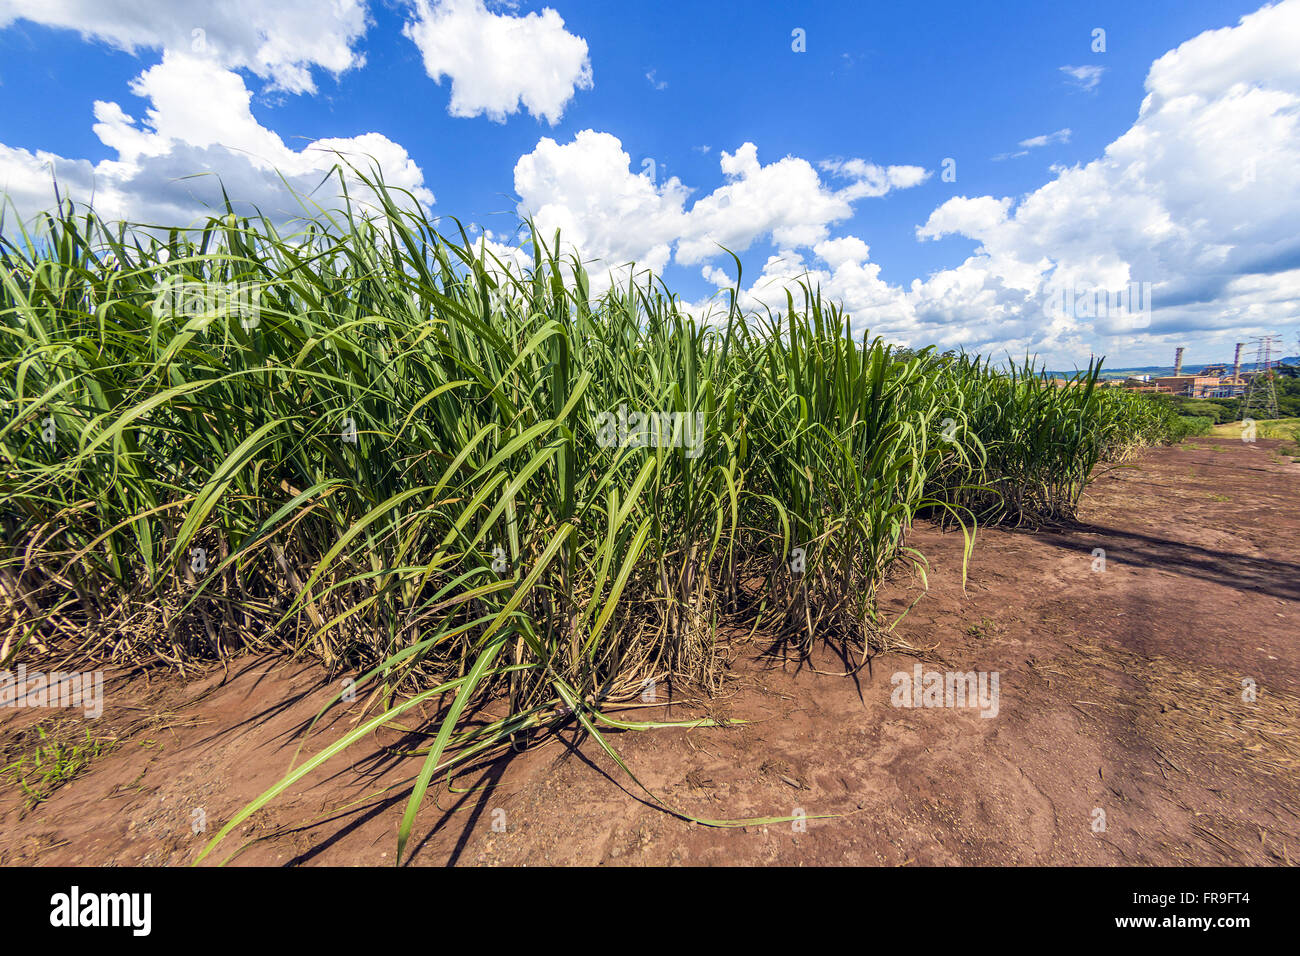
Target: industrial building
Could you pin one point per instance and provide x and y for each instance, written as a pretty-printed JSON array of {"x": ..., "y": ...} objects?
[{"x": 1210, "y": 383}]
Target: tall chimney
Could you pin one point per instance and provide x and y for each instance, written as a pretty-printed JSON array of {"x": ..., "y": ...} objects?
[
  {"x": 1236, "y": 362},
  {"x": 1178, "y": 361}
]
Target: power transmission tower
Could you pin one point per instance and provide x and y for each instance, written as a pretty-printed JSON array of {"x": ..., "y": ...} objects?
[{"x": 1261, "y": 393}]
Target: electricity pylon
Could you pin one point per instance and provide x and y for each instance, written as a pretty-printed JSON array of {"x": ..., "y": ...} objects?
[{"x": 1261, "y": 393}]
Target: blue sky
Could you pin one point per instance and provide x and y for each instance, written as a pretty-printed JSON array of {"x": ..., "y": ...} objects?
[{"x": 898, "y": 88}]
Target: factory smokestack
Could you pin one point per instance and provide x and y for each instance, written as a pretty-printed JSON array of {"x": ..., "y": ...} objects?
[
  {"x": 1236, "y": 362},
  {"x": 1178, "y": 361}
]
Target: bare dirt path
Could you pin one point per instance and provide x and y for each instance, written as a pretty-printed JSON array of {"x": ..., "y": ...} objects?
[{"x": 1120, "y": 693}]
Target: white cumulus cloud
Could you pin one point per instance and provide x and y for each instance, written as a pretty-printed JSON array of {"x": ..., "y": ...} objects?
[
  {"x": 199, "y": 122},
  {"x": 278, "y": 40},
  {"x": 500, "y": 63},
  {"x": 587, "y": 189}
]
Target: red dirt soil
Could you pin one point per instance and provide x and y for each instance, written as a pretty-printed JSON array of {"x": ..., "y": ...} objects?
[{"x": 1120, "y": 691}]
